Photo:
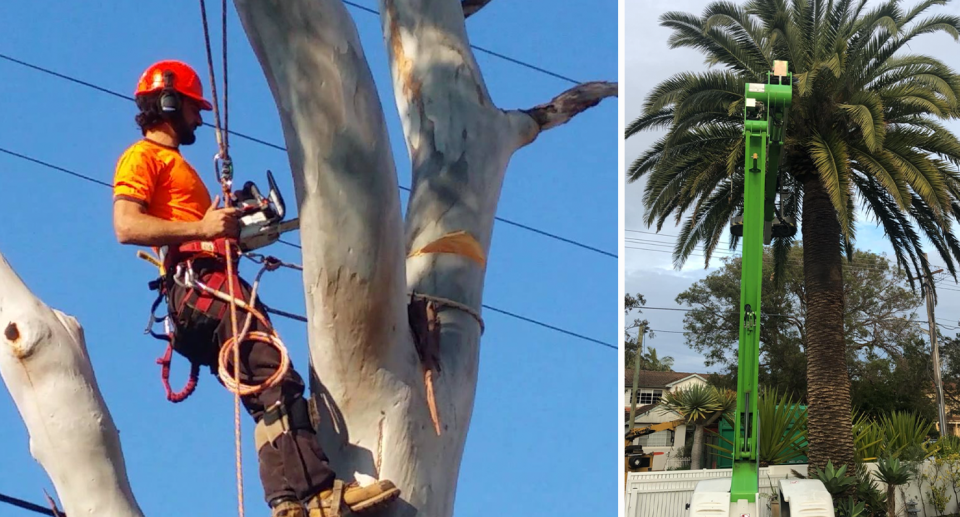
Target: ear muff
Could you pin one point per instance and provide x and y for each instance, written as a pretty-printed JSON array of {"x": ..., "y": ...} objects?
[{"x": 169, "y": 97}]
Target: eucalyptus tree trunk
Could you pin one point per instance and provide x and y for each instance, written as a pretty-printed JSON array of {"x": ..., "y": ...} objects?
[
  {"x": 828, "y": 383},
  {"x": 389, "y": 405},
  {"x": 385, "y": 411}
]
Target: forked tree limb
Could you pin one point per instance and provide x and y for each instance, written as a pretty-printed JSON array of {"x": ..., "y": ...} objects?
[
  {"x": 470, "y": 7},
  {"x": 44, "y": 364},
  {"x": 366, "y": 382}
]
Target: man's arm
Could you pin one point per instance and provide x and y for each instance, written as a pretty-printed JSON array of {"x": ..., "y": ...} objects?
[{"x": 133, "y": 225}]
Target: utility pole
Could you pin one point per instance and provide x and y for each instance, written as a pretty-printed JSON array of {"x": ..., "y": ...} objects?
[
  {"x": 935, "y": 349},
  {"x": 636, "y": 376}
]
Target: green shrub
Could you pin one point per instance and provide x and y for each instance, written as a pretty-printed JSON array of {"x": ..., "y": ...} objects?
[{"x": 836, "y": 481}]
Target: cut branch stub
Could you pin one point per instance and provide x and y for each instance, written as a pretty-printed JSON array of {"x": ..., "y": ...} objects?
[
  {"x": 471, "y": 7},
  {"x": 425, "y": 327},
  {"x": 570, "y": 103},
  {"x": 11, "y": 332}
]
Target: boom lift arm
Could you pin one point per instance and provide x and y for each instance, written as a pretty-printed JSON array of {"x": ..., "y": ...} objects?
[
  {"x": 766, "y": 109},
  {"x": 633, "y": 434}
]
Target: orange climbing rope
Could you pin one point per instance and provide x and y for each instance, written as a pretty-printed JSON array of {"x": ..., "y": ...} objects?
[{"x": 224, "y": 171}]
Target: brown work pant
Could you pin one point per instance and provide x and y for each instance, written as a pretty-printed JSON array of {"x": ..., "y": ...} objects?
[{"x": 294, "y": 465}]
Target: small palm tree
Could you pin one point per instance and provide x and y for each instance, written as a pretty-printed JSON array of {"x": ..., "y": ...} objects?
[
  {"x": 894, "y": 473},
  {"x": 650, "y": 361},
  {"x": 700, "y": 405}
]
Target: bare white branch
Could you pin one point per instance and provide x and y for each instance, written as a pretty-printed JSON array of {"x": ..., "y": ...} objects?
[{"x": 44, "y": 364}]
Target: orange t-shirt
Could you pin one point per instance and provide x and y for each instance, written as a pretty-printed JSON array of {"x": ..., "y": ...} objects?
[{"x": 160, "y": 179}]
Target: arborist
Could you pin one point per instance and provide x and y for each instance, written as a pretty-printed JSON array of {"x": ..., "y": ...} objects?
[{"x": 160, "y": 201}]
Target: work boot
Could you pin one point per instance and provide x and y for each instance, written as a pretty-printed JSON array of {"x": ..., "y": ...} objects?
[
  {"x": 355, "y": 497},
  {"x": 287, "y": 507}
]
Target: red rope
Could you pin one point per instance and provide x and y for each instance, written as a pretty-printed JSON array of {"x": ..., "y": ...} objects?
[{"x": 164, "y": 362}]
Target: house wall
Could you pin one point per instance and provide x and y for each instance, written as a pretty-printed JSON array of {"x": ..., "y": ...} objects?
[{"x": 666, "y": 454}]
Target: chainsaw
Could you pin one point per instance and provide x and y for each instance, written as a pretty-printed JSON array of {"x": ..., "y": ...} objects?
[{"x": 261, "y": 217}]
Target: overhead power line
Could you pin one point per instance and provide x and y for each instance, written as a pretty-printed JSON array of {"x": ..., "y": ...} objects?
[
  {"x": 20, "y": 503},
  {"x": 277, "y": 147},
  {"x": 490, "y": 307},
  {"x": 54, "y": 167},
  {"x": 700, "y": 250}
]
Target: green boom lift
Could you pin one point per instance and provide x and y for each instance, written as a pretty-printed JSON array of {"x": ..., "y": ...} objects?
[{"x": 767, "y": 106}]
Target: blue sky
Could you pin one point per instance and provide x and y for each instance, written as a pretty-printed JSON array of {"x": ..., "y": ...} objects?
[
  {"x": 648, "y": 267},
  {"x": 540, "y": 442}
]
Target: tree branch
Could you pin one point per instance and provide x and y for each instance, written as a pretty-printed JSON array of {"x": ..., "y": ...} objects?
[
  {"x": 343, "y": 171},
  {"x": 44, "y": 363},
  {"x": 571, "y": 103},
  {"x": 471, "y": 7}
]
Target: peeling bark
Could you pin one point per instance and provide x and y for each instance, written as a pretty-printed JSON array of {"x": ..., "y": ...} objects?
[{"x": 44, "y": 363}]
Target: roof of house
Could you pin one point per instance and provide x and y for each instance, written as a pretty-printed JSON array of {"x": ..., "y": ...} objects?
[
  {"x": 640, "y": 410},
  {"x": 649, "y": 379}
]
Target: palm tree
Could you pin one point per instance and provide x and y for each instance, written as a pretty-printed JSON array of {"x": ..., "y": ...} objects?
[
  {"x": 650, "y": 361},
  {"x": 894, "y": 473},
  {"x": 700, "y": 405},
  {"x": 865, "y": 125}
]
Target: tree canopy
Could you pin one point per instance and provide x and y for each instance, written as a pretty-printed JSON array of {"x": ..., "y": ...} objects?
[{"x": 888, "y": 360}]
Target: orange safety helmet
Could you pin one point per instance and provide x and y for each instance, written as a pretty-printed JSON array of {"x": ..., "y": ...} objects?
[{"x": 185, "y": 81}]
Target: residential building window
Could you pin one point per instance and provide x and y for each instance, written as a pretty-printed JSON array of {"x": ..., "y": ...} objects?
[
  {"x": 649, "y": 396},
  {"x": 657, "y": 439}
]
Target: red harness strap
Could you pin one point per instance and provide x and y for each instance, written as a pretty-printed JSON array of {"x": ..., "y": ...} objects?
[
  {"x": 197, "y": 249},
  {"x": 202, "y": 300}
]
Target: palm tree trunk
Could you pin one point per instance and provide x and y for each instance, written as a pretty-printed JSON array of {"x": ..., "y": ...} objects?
[
  {"x": 697, "y": 447},
  {"x": 891, "y": 501},
  {"x": 828, "y": 383}
]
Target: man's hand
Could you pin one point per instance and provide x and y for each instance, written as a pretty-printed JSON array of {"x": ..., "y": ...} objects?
[{"x": 220, "y": 222}]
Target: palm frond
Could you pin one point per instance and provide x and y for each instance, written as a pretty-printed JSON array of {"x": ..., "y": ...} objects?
[{"x": 829, "y": 154}]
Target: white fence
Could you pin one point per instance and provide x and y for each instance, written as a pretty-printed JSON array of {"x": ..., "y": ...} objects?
[
  {"x": 666, "y": 494},
  {"x": 672, "y": 463}
]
